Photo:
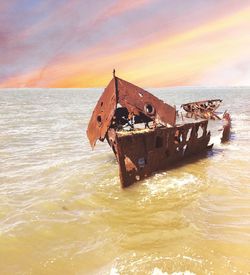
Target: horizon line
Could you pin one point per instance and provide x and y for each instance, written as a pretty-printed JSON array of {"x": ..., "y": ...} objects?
[{"x": 93, "y": 88}]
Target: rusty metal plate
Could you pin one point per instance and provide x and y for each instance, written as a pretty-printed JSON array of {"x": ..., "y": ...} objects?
[
  {"x": 137, "y": 100},
  {"x": 141, "y": 154},
  {"x": 102, "y": 115}
]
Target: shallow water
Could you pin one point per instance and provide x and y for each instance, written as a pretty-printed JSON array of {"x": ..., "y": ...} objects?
[{"x": 62, "y": 210}]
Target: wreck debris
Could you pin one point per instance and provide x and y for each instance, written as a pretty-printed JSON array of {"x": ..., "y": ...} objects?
[
  {"x": 142, "y": 130},
  {"x": 202, "y": 109},
  {"x": 226, "y": 127}
]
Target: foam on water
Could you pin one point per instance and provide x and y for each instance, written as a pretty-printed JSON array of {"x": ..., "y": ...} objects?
[
  {"x": 158, "y": 271},
  {"x": 161, "y": 184}
]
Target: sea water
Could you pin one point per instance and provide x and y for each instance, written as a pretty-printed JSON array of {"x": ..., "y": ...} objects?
[{"x": 62, "y": 210}]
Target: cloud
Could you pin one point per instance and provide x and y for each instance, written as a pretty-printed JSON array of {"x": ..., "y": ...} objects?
[
  {"x": 154, "y": 43},
  {"x": 234, "y": 72},
  {"x": 36, "y": 38}
]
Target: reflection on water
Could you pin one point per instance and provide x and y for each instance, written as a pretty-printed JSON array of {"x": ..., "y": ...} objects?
[{"x": 62, "y": 210}]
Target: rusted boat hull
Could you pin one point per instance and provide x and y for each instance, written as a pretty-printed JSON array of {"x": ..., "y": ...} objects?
[
  {"x": 141, "y": 154},
  {"x": 143, "y": 131}
]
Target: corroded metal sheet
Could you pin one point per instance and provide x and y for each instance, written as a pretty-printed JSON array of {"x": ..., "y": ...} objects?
[
  {"x": 143, "y": 153},
  {"x": 137, "y": 100},
  {"x": 102, "y": 115}
]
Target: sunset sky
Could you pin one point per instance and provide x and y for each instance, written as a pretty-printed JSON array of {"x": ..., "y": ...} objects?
[{"x": 152, "y": 43}]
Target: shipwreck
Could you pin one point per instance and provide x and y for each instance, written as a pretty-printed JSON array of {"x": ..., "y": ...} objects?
[{"x": 148, "y": 135}]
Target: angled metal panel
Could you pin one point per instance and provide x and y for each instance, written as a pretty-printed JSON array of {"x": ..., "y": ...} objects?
[
  {"x": 137, "y": 100},
  {"x": 102, "y": 115}
]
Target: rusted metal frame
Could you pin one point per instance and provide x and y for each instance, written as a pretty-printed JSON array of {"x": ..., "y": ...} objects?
[
  {"x": 217, "y": 101},
  {"x": 197, "y": 109}
]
